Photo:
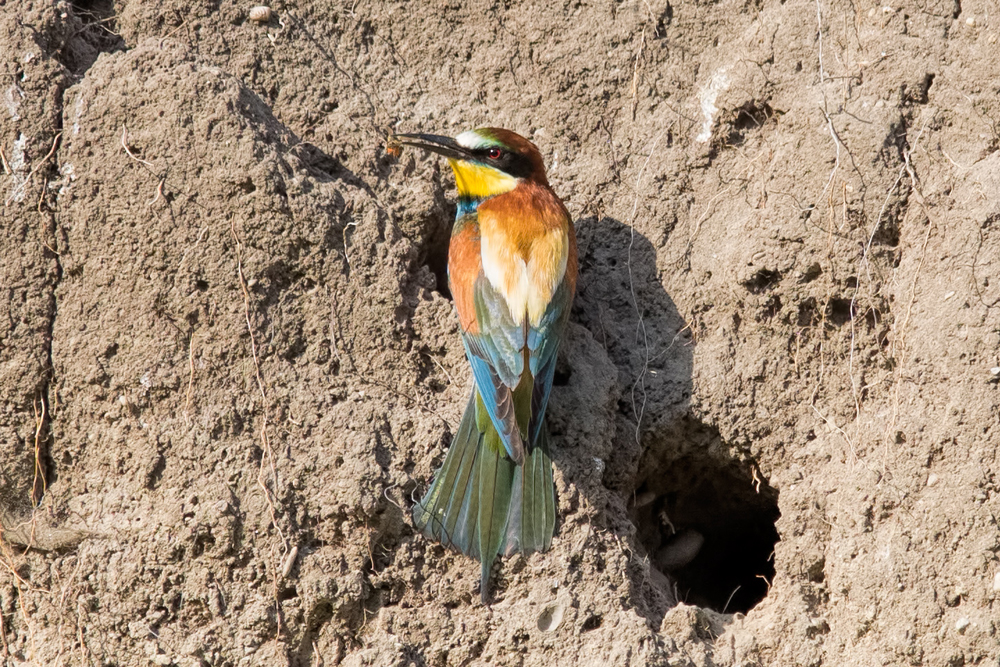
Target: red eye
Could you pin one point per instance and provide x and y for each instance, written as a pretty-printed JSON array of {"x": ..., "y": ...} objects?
[{"x": 494, "y": 153}]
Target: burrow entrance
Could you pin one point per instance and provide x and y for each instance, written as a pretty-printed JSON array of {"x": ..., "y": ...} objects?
[
  {"x": 96, "y": 32},
  {"x": 707, "y": 521}
]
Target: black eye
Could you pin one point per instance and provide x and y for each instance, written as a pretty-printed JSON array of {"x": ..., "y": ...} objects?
[{"x": 494, "y": 153}]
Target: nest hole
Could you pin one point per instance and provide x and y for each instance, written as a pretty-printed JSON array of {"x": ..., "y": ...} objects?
[
  {"x": 436, "y": 259},
  {"x": 710, "y": 526},
  {"x": 97, "y": 33},
  {"x": 431, "y": 233}
]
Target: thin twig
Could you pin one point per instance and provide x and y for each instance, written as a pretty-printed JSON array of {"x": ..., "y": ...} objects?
[
  {"x": 264, "y": 437},
  {"x": 833, "y": 425},
  {"x": 128, "y": 150},
  {"x": 635, "y": 74},
  {"x": 641, "y": 324},
  {"x": 385, "y": 494},
  {"x": 730, "y": 599},
  {"x": 38, "y": 485},
  {"x": 159, "y": 193},
  {"x": 866, "y": 263},
  {"x": 443, "y": 369}
]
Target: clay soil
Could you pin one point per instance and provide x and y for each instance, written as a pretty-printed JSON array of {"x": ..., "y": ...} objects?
[{"x": 229, "y": 361}]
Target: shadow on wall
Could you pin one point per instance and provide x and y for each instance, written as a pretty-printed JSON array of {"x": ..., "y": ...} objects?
[{"x": 704, "y": 518}]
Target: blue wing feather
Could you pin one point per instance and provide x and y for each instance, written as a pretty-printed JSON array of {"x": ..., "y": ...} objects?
[
  {"x": 497, "y": 355},
  {"x": 543, "y": 345}
]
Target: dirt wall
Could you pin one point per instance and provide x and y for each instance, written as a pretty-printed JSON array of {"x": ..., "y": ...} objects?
[{"x": 229, "y": 360}]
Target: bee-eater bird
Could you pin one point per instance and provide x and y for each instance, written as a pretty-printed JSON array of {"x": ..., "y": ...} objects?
[{"x": 512, "y": 272}]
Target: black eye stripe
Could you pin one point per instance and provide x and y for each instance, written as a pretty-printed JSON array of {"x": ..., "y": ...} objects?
[{"x": 508, "y": 162}]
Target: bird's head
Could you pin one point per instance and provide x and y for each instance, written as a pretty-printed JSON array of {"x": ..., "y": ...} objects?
[{"x": 487, "y": 162}]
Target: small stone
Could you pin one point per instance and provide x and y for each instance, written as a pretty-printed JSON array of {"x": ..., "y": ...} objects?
[
  {"x": 286, "y": 569},
  {"x": 996, "y": 581},
  {"x": 961, "y": 624},
  {"x": 971, "y": 22},
  {"x": 995, "y": 370},
  {"x": 680, "y": 550},
  {"x": 260, "y": 14},
  {"x": 932, "y": 479}
]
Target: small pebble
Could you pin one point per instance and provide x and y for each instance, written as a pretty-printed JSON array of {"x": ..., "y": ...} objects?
[
  {"x": 932, "y": 479},
  {"x": 971, "y": 22},
  {"x": 680, "y": 550},
  {"x": 961, "y": 624},
  {"x": 260, "y": 14},
  {"x": 996, "y": 581},
  {"x": 995, "y": 370},
  {"x": 286, "y": 570}
]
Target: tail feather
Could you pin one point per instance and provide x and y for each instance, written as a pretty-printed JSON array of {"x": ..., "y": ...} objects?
[
  {"x": 494, "y": 482},
  {"x": 442, "y": 513},
  {"x": 532, "y": 516},
  {"x": 482, "y": 503}
]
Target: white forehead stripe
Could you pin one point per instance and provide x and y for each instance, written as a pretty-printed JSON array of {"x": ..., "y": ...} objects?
[{"x": 472, "y": 140}]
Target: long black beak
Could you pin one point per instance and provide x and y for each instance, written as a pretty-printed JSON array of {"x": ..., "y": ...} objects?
[{"x": 434, "y": 143}]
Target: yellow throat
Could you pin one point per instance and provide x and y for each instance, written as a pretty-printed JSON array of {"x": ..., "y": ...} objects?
[{"x": 477, "y": 181}]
